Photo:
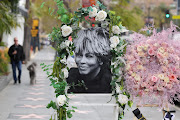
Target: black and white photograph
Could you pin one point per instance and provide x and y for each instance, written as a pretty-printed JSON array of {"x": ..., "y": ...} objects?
[{"x": 92, "y": 56}]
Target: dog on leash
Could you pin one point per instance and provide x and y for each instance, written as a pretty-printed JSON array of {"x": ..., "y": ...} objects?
[{"x": 32, "y": 73}]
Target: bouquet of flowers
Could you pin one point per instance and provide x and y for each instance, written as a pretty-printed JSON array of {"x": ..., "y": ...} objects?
[{"x": 153, "y": 66}]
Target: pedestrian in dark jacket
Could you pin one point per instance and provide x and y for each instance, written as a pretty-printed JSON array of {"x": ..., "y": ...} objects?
[{"x": 17, "y": 57}]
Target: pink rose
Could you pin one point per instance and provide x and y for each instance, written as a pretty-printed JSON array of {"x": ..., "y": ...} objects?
[
  {"x": 173, "y": 68},
  {"x": 154, "y": 79},
  {"x": 151, "y": 88},
  {"x": 169, "y": 86},
  {"x": 70, "y": 38},
  {"x": 151, "y": 51},
  {"x": 172, "y": 77},
  {"x": 143, "y": 84},
  {"x": 159, "y": 55}
]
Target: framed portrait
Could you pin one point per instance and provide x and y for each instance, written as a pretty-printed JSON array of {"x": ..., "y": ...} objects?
[{"x": 92, "y": 57}]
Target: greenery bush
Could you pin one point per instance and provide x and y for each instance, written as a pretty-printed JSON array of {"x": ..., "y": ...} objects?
[
  {"x": 4, "y": 60},
  {"x": 2, "y": 44}
]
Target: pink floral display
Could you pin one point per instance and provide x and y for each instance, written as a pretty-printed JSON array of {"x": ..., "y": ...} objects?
[{"x": 153, "y": 66}]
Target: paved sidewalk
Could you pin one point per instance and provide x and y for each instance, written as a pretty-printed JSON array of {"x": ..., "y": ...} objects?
[
  {"x": 27, "y": 102},
  {"x": 24, "y": 101}
]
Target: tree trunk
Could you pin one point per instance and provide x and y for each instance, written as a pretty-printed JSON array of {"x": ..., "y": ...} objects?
[{"x": 27, "y": 35}]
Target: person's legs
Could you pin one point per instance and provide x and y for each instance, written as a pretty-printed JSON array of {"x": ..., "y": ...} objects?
[
  {"x": 14, "y": 72},
  {"x": 19, "y": 65}
]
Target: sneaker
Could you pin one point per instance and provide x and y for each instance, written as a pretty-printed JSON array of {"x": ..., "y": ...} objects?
[{"x": 19, "y": 81}]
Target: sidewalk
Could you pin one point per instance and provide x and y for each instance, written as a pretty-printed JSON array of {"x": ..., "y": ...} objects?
[
  {"x": 24, "y": 101},
  {"x": 27, "y": 102},
  {"x": 5, "y": 79}
]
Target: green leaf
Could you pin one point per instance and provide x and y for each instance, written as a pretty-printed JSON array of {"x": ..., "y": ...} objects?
[
  {"x": 69, "y": 114},
  {"x": 52, "y": 12},
  {"x": 130, "y": 103},
  {"x": 74, "y": 107},
  {"x": 52, "y": 104},
  {"x": 65, "y": 18},
  {"x": 49, "y": 9},
  {"x": 56, "y": 86},
  {"x": 41, "y": 64},
  {"x": 61, "y": 11},
  {"x": 42, "y": 5}
]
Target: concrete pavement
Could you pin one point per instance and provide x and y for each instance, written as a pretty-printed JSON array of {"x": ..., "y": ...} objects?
[{"x": 27, "y": 102}]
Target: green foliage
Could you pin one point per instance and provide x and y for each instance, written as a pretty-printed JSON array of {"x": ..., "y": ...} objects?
[
  {"x": 7, "y": 18},
  {"x": 158, "y": 13},
  {"x": 42, "y": 5},
  {"x": 2, "y": 44},
  {"x": 130, "y": 103},
  {"x": 52, "y": 104},
  {"x": 131, "y": 18},
  {"x": 4, "y": 60}
]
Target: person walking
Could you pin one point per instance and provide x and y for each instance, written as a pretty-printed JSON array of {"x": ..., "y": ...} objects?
[{"x": 17, "y": 57}]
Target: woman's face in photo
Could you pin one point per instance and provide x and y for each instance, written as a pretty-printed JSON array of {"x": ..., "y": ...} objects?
[{"x": 87, "y": 62}]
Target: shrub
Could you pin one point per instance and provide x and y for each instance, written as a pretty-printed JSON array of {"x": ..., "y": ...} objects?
[{"x": 4, "y": 60}]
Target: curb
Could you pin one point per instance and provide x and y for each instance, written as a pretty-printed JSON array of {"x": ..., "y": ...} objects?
[{"x": 4, "y": 80}]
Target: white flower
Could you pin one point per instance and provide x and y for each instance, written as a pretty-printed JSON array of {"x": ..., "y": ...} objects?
[
  {"x": 68, "y": 42},
  {"x": 114, "y": 41},
  {"x": 61, "y": 99},
  {"x": 93, "y": 13},
  {"x": 123, "y": 99},
  {"x": 63, "y": 60},
  {"x": 116, "y": 29},
  {"x": 101, "y": 15},
  {"x": 71, "y": 62},
  {"x": 65, "y": 71},
  {"x": 66, "y": 30},
  {"x": 63, "y": 45},
  {"x": 123, "y": 29}
]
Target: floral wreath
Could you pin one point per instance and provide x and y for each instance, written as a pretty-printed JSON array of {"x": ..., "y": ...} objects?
[
  {"x": 63, "y": 37},
  {"x": 153, "y": 67}
]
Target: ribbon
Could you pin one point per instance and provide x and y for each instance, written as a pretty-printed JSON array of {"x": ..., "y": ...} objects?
[
  {"x": 138, "y": 114},
  {"x": 168, "y": 115}
]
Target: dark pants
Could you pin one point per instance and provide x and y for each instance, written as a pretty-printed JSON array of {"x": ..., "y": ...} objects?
[{"x": 19, "y": 66}]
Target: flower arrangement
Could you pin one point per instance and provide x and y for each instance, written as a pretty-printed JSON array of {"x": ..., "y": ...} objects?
[
  {"x": 153, "y": 66},
  {"x": 63, "y": 37}
]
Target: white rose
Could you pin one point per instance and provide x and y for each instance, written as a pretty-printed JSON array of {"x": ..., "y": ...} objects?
[
  {"x": 101, "y": 15},
  {"x": 68, "y": 42},
  {"x": 63, "y": 45},
  {"x": 116, "y": 30},
  {"x": 114, "y": 41},
  {"x": 123, "y": 99},
  {"x": 61, "y": 99},
  {"x": 71, "y": 62},
  {"x": 66, "y": 30},
  {"x": 65, "y": 71},
  {"x": 93, "y": 13}
]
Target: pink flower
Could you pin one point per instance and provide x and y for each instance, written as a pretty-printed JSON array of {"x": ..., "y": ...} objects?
[
  {"x": 169, "y": 86},
  {"x": 70, "y": 38},
  {"x": 143, "y": 84},
  {"x": 172, "y": 77},
  {"x": 154, "y": 79},
  {"x": 151, "y": 88},
  {"x": 159, "y": 55},
  {"x": 151, "y": 51}
]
